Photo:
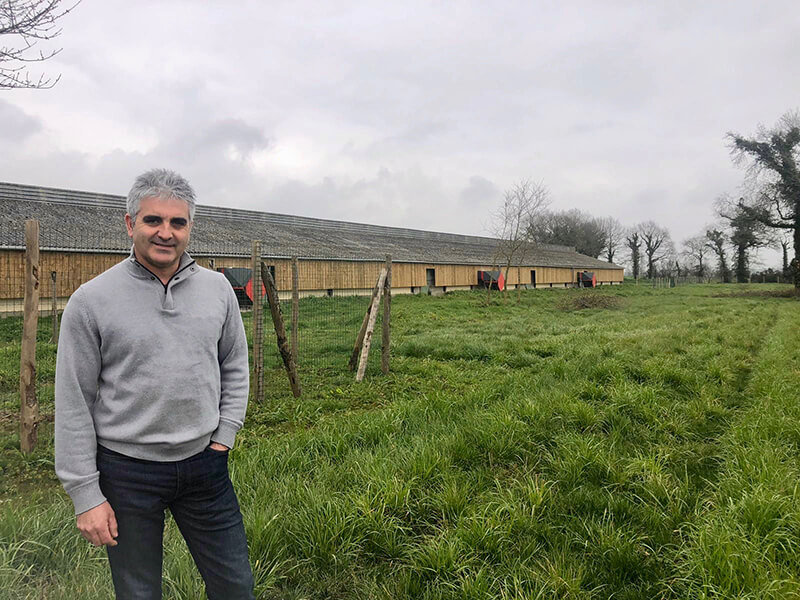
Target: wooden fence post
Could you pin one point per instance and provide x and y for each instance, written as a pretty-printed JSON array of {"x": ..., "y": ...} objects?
[
  {"x": 28, "y": 405},
  {"x": 373, "y": 316},
  {"x": 387, "y": 312},
  {"x": 280, "y": 331},
  {"x": 258, "y": 322},
  {"x": 295, "y": 306},
  {"x": 362, "y": 332},
  {"x": 54, "y": 279}
]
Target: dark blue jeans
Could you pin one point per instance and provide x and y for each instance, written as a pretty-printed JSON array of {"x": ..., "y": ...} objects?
[{"x": 199, "y": 494}]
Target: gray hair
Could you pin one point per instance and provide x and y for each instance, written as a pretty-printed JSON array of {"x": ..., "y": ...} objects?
[{"x": 160, "y": 183}]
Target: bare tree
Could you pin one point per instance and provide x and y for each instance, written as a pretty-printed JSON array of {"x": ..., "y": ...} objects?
[
  {"x": 613, "y": 236},
  {"x": 695, "y": 249},
  {"x": 657, "y": 244},
  {"x": 773, "y": 160},
  {"x": 716, "y": 242},
  {"x": 27, "y": 23},
  {"x": 522, "y": 204},
  {"x": 669, "y": 264},
  {"x": 681, "y": 268},
  {"x": 634, "y": 243}
]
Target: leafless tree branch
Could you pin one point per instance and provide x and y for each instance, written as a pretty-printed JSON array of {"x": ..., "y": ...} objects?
[
  {"x": 522, "y": 203},
  {"x": 26, "y": 23}
]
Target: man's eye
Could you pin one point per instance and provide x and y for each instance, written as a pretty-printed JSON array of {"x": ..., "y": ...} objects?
[
  {"x": 152, "y": 220},
  {"x": 178, "y": 223}
]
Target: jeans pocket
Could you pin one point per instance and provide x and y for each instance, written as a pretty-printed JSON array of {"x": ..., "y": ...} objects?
[{"x": 217, "y": 459}]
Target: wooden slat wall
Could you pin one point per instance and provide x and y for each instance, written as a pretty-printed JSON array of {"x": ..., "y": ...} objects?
[
  {"x": 75, "y": 268},
  {"x": 12, "y": 274},
  {"x": 609, "y": 275},
  {"x": 403, "y": 275},
  {"x": 553, "y": 275},
  {"x": 334, "y": 274},
  {"x": 205, "y": 261}
]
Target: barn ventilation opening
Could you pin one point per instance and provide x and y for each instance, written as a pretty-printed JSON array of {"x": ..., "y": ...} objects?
[{"x": 430, "y": 277}]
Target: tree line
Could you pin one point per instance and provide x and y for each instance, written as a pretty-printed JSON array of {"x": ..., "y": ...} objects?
[{"x": 767, "y": 214}]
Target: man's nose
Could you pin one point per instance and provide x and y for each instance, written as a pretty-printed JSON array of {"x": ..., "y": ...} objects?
[{"x": 164, "y": 230}]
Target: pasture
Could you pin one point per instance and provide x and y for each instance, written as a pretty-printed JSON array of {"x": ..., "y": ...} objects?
[{"x": 641, "y": 444}]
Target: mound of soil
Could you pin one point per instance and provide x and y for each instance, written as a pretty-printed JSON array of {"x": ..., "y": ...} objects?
[{"x": 590, "y": 300}]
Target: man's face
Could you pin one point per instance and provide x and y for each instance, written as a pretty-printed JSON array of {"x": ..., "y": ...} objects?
[{"x": 160, "y": 233}]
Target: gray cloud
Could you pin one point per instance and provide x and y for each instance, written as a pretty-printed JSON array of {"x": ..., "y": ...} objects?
[
  {"x": 479, "y": 194},
  {"x": 16, "y": 125}
]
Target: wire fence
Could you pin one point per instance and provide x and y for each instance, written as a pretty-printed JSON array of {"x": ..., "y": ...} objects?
[
  {"x": 331, "y": 292},
  {"x": 333, "y": 298},
  {"x": 671, "y": 282}
]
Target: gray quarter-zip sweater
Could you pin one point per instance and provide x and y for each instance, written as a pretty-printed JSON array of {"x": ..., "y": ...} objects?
[{"x": 149, "y": 370}]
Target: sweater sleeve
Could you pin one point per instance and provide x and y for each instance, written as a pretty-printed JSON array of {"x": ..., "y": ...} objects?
[
  {"x": 234, "y": 373},
  {"x": 77, "y": 370}
]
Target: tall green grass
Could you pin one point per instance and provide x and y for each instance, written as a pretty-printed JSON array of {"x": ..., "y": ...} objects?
[
  {"x": 517, "y": 450},
  {"x": 746, "y": 542}
]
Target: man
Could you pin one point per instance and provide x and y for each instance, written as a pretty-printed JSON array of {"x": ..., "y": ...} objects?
[{"x": 151, "y": 388}]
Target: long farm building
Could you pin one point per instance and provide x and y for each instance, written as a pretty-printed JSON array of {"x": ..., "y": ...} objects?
[{"x": 83, "y": 233}]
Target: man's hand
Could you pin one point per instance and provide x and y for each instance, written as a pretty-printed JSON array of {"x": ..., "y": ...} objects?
[
  {"x": 218, "y": 447},
  {"x": 99, "y": 525}
]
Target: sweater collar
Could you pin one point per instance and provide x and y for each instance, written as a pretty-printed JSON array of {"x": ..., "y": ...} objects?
[{"x": 137, "y": 269}]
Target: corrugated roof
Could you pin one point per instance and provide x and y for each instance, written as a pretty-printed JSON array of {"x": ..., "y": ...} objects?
[{"x": 86, "y": 221}]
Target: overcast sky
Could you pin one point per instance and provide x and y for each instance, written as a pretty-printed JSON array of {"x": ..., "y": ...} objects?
[{"x": 410, "y": 114}]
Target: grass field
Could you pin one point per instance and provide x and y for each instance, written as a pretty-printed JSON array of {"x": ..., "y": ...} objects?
[{"x": 645, "y": 448}]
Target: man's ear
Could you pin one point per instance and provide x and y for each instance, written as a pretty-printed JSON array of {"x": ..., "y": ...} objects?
[{"x": 129, "y": 224}]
